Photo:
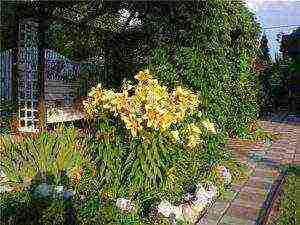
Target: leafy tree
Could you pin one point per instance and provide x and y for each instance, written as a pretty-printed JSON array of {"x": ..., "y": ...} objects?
[
  {"x": 212, "y": 52},
  {"x": 265, "y": 52},
  {"x": 291, "y": 44},
  {"x": 207, "y": 45}
]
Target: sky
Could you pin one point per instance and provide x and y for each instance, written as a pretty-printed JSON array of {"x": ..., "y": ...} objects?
[{"x": 276, "y": 13}]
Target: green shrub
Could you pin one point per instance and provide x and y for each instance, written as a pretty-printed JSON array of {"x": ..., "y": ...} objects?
[
  {"x": 213, "y": 50},
  {"x": 21, "y": 208},
  {"x": 286, "y": 203}
]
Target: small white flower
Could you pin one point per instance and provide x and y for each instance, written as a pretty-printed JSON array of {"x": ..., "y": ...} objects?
[
  {"x": 177, "y": 210},
  {"x": 2, "y": 175},
  {"x": 204, "y": 197},
  {"x": 212, "y": 191},
  {"x": 209, "y": 126},
  {"x": 200, "y": 190}
]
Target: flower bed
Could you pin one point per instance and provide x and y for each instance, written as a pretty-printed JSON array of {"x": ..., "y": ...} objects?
[{"x": 152, "y": 158}]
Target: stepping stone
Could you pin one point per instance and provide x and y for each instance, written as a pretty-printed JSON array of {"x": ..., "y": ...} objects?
[
  {"x": 265, "y": 172},
  {"x": 205, "y": 221},
  {"x": 259, "y": 184},
  {"x": 228, "y": 195},
  {"x": 236, "y": 187},
  {"x": 231, "y": 220},
  {"x": 266, "y": 179},
  {"x": 218, "y": 209},
  {"x": 251, "y": 200},
  {"x": 259, "y": 191},
  {"x": 270, "y": 162},
  {"x": 243, "y": 212}
]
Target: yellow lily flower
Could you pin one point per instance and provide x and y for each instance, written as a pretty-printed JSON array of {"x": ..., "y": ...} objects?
[
  {"x": 175, "y": 134},
  {"x": 143, "y": 75},
  {"x": 209, "y": 126}
]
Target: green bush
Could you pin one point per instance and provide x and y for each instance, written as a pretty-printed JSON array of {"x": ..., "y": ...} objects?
[
  {"x": 21, "y": 208},
  {"x": 286, "y": 203},
  {"x": 212, "y": 53}
]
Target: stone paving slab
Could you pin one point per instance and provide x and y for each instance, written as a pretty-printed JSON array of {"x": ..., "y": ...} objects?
[
  {"x": 260, "y": 184},
  {"x": 230, "y": 220},
  {"x": 218, "y": 209},
  {"x": 243, "y": 203},
  {"x": 242, "y": 212},
  {"x": 247, "y": 201}
]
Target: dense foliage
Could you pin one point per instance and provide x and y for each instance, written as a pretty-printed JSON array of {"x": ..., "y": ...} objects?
[
  {"x": 275, "y": 76},
  {"x": 214, "y": 48},
  {"x": 39, "y": 157},
  {"x": 208, "y": 45},
  {"x": 291, "y": 44},
  {"x": 151, "y": 142},
  {"x": 137, "y": 160}
]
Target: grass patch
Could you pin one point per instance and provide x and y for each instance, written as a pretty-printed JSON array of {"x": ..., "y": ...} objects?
[{"x": 285, "y": 206}]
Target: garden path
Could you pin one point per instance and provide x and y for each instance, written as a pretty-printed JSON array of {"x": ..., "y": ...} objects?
[{"x": 246, "y": 203}]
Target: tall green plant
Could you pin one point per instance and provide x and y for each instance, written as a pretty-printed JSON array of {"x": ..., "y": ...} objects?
[
  {"x": 108, "y": 149},
  {"x": 145, "y": 166},
  {"x": 47, "y": 154}
]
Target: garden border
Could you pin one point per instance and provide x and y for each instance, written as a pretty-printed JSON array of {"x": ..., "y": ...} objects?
[{"x": 271, "y": 197}]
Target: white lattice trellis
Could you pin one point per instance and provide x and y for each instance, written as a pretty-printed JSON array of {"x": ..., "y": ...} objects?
[{"x": 28, "y": 90}]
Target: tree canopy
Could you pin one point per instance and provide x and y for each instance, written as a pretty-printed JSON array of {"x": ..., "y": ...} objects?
[
  {"x": 290, "y": 44},
  {"x": 207, "y": 45}
]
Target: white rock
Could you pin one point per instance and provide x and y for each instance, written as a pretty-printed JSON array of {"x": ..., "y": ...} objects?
[
  {"x": 165, "y": 208},
  {"x": 124, "y": 204}
]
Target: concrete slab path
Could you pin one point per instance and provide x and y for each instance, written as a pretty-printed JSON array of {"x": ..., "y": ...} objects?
[{"x": 245, "y": 203}]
